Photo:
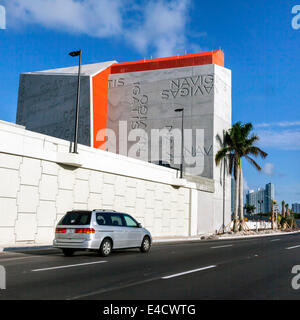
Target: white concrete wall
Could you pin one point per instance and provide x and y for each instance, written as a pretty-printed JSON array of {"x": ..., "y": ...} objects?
[
  {"x": 37, "y": 188},
  {"x": 210, "y": 205}
]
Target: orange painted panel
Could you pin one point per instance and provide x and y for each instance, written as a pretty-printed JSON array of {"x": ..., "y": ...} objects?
[
  {"x": 100, "y": 81},
  {"x": 100, "y": 92},
  {"x": 211, "y": 57},
  {"x": 218, "y": 58}
]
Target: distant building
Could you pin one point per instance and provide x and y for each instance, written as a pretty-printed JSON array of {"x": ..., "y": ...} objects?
[
  {"x": 296, "y": 207},
  {"x": 269, "y": 197},
  {"x": 261, "y": 199}
]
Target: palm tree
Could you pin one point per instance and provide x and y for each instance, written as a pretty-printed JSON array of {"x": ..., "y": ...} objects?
[
  {"x": 287, "y": 210},
  {"x": 249, "y": 208},
  {"x": 238, "y": 143},
  {"x": 283, "y": 210},
  {"x": 223, "y": 180},
  {"x": 273, "y": 215}
]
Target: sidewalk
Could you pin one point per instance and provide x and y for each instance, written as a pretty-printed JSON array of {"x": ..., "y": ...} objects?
[
  {"x": 222, "y": 237},
  {"x": 257, "y": 235},
  {"x": 158, "y": 240}
]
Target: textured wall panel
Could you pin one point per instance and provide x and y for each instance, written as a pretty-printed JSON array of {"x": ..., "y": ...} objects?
[{"x": 47, "y": 104}]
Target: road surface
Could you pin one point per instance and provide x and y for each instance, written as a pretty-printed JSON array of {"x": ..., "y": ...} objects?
[{"x": 254, "y": 268}]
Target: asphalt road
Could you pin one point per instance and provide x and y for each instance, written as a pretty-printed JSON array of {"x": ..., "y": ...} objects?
[{"x": 256, "y": 268}]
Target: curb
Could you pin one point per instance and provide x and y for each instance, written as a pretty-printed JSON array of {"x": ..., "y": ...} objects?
[
  {"x": 258, "y": 236},
  {"x": 175, "y": 240},
  {"x": 7, "y": 249}
]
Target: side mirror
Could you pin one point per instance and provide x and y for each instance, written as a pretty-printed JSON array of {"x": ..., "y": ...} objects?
[{"x": 139, "y": 225}]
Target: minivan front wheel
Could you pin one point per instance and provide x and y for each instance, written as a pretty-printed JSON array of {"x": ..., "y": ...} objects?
[
  {"x": 105, "y": 248},
  {"x": 146, "y": 245}
]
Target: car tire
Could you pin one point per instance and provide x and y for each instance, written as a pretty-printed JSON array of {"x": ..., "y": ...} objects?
[
  {"x": 68, "y": 252},
  {"x": 146, "y": 245},
  {"x": 105, "y": 248}
]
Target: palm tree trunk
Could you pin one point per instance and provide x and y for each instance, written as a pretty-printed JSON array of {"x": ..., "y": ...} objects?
[
  {"x": 224, "y": 193},
  {"x": 241, "y": 213},
  {"x": 283, "y": 209},
  {"x": 273, "y": 219},
  {"x": 236, "y": 199}
]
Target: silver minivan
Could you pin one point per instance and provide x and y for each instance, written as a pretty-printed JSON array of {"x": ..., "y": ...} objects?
[{"x": 100, "y": 230}]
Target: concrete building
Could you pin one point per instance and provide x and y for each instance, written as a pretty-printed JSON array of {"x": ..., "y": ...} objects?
[
  {"x": 41, "y": 180},
  {"x": 266, "y": 195},
  {"x": 135, "y": 96},
  {"x": 296, "y": 207}
]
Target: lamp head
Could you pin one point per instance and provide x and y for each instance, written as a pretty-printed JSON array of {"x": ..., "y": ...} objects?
[{"x": 75, "y": 53}]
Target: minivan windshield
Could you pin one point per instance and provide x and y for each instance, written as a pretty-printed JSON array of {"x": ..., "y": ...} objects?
[{"x": 76, "y": 218}]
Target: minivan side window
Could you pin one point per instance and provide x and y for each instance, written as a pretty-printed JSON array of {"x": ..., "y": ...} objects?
[
  {"x": 103, "y": 219},
  {"x": 130, "y": 222},
  {"x": 116, "y": 220},
  {"x": 110, "y": 219}
]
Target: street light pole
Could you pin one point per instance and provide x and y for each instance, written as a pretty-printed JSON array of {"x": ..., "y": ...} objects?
[
  {"x": 76, "y": 54},
  {"x": 182, "y": 141}
]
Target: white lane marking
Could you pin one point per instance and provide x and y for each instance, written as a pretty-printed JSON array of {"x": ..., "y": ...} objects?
[
  {"x": 13, "y": 259},
  {"x": 229, "y": 245},
  {"x": 68, "y": 266},
  {"x": 274, "y": 240},
  {"x": 28, "y": 257},
  {"x": 289, "y": 248},
  {"x": 187, "y": 272}
]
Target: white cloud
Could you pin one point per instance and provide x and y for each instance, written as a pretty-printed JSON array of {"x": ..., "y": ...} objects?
[
  {"x": 2, "y": 17},
  {"x": 162, "y": 27},
  {"x": 278, "y": 124},
  {"x": 246, "y": 186},
  {"x": 279, "y": 139},
  {"x": 157, "y": 26},
  {"x": 268, "y": 169},
  {"x": 100, "y": 18}
]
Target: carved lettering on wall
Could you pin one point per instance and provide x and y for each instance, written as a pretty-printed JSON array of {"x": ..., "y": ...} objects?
[
  {"x": 116, "y": 83},
  {"x": 139, "y": 108},
  {"x": 189, "y": 86}
]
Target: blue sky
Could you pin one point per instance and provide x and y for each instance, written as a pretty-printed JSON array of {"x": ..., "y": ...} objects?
[{"x": 261, "y": 48}]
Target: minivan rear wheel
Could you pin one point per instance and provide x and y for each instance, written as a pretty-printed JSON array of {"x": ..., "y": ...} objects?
[
  {"x": 68, "y": 252},
  {"x": 146, "y": 245},
  {"x": 105, "y": 248}
]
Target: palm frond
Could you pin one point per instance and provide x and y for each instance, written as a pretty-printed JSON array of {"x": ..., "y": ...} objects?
[
  {"x": 257, "y": 152},
  {"x": 253, "y": 162},
  {"x": 221, "y": 154},
  {"x": 246, "y": 129}
]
